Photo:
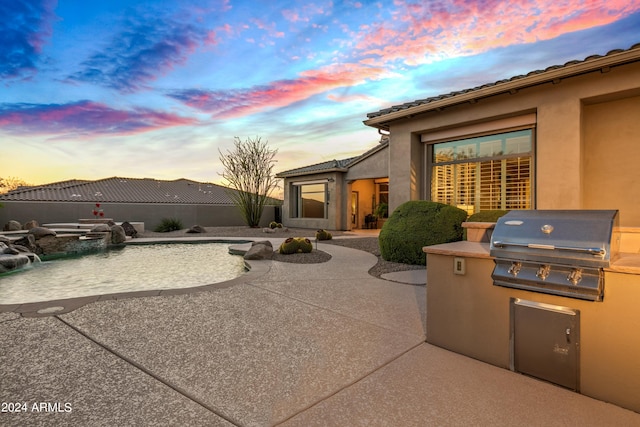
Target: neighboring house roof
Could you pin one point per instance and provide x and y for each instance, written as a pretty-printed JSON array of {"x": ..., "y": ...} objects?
[
  {"x": 333, "y": 165},
  {"x": 555, "y": 73},
  {"x": 124, "y": 190}
]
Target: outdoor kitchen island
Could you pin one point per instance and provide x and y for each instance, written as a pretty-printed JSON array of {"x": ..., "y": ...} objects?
[{"x": 597, "y": 342}]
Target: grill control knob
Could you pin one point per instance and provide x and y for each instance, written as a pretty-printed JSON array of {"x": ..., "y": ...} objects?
[
  {"x": 575, "y": 276},
  {"x": 515, "y": 268},
  {"x": 543, "y": 271}
]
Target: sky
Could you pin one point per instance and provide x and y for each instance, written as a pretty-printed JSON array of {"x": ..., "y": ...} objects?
[{"x": 158, "y": 89}]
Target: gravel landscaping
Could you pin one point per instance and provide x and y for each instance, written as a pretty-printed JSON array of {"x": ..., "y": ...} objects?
[{"x": 367, "y": 244}]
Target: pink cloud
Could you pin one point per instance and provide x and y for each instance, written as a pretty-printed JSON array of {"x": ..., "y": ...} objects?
[
  {"x": 305, "y": 13},
  {"x": 84, "y": 117},
  {"x": 425, "y": 31},
  {"x": 228, "y": 104}
]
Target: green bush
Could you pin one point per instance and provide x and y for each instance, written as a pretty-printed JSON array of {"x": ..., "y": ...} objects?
[
  {"x": 168, "y": 224},
  {"x": 416, "y": 224}
]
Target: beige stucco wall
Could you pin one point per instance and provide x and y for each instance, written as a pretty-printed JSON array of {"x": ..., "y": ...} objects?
[
  {"x": 559, "y": 140},
  {"x": 611, "y": 152},
  {"x": 150, "y": 214},
  {"x": 468, "y": 315}
]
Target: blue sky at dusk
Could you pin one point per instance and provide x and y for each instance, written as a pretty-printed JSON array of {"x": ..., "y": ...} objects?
[{"x": 155, "y": 88}]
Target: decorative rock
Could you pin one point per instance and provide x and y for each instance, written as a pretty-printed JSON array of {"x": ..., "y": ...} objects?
[
  {"x": 260, "y": 250},
  {"x": 8, "y": 250},
  {"x": 196, "y": 229},
  {"x": 31, "y": 224},
  {"x": 28, "y": 241},
  {"x": 129, "y": 229},
  {"x": 5, "y": 240},
  {"x": 11, "y": 262},
  {"x": 40, "y": 232},
  {"x": 118, "y": 235},
  {"x": 12, "y": 226},
  {"x": 100, "y": 228},
  {"x": 268, "y": 230}
]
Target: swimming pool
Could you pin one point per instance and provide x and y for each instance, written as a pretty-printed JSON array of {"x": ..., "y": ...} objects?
[{"x": 129, "y": 269}]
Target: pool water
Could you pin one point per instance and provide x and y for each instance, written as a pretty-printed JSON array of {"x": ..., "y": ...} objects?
[{"x": 133, "y": 268}]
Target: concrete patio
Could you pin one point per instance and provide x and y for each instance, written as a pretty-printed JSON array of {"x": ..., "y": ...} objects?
[{"x": 286, "y": 344}]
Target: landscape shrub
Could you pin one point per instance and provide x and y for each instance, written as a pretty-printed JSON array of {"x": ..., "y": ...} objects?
[
  {"x": 168, "y": 224},
  {"x": 416, "y": 224},
  {"x": 323, "y": 235}
]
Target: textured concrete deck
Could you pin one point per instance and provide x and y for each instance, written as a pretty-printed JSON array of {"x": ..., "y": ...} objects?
[{"x": 316, "y": 344}]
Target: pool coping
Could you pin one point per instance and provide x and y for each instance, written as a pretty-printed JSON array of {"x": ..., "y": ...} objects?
[{"x": 66, "y": 305}]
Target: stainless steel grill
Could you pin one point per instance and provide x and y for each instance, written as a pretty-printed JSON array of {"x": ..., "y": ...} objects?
[{"x": 560, "y": 252}]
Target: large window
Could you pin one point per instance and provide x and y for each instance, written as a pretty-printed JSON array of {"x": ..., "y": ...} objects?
[
  {"x": 309, "y": 200},
  {"x": 488, "y": 172}
]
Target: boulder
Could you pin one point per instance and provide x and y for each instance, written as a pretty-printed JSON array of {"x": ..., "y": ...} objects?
[
  {"x": 118, "y": 235},
  {"x": 129, "y": 229},
  {"x": 11, "y": 262},
  {"x": 260, "y": 250},
  {"x": 196, "y": 229},
  {"x": 100, "y": 228},
  {"x": 8, "y": 250},
  {"x": 40, "y": 232},
  {"x": 268, "y": 230},
  {"x": 30, "y": 224},
  {"x": 28, "y": 241},
  {"x": 12, "y": 226},
  {"x": 5, "y": 240}
]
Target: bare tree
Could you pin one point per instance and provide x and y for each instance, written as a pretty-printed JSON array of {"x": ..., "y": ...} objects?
[
  {"x": 11, "y": 183},
  {"x": 248, "y": 168}
]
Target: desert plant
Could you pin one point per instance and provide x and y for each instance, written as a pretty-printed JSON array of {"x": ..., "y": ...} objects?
[
  {"x": 249, "y": 172},
  {"x": 295, "y": 245},
  {"x": 323, "y": 235},
  {"x": 289, "y": 246},
  {"x": 382, "y": 210},
  {"x": 274, "y": 225},
  {"x": 416, "y": 224},
  {"x": 168, "y": 224}
]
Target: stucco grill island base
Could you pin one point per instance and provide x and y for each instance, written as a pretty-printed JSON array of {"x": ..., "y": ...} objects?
[{"x": 468, "y": 314}]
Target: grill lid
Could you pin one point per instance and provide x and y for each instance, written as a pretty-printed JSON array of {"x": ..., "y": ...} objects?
[{"x": 573, "y": 237}]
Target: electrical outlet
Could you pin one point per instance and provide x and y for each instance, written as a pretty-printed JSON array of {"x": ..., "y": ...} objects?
[{"x": 459, "y": 266}]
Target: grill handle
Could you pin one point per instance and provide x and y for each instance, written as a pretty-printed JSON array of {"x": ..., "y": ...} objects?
[{"x": 592, "y": 251}]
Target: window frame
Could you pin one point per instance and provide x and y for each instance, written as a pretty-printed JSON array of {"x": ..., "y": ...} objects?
[
  {"x": 297, "y": 201},
  {"x": 430, "y": 162}
]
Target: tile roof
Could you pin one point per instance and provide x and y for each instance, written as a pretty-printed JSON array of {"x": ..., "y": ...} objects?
[
  {"x": 124, "y": 190},
  {"x": 571, "y": 68},
  {"x": 333, "y": 165}
]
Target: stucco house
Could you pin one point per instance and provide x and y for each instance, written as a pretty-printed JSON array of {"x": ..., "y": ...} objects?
[
  {"x": 565, "y": 137},
  {"x": 337, "y": 194},
  {"x": 144, "y": 200},
  {"x": 561, "y": 138}
]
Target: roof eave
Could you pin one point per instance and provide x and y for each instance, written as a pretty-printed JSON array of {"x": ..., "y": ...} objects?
[
  {"x": 603, "y": 63},
  {"x": 283, "y": 175}
]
